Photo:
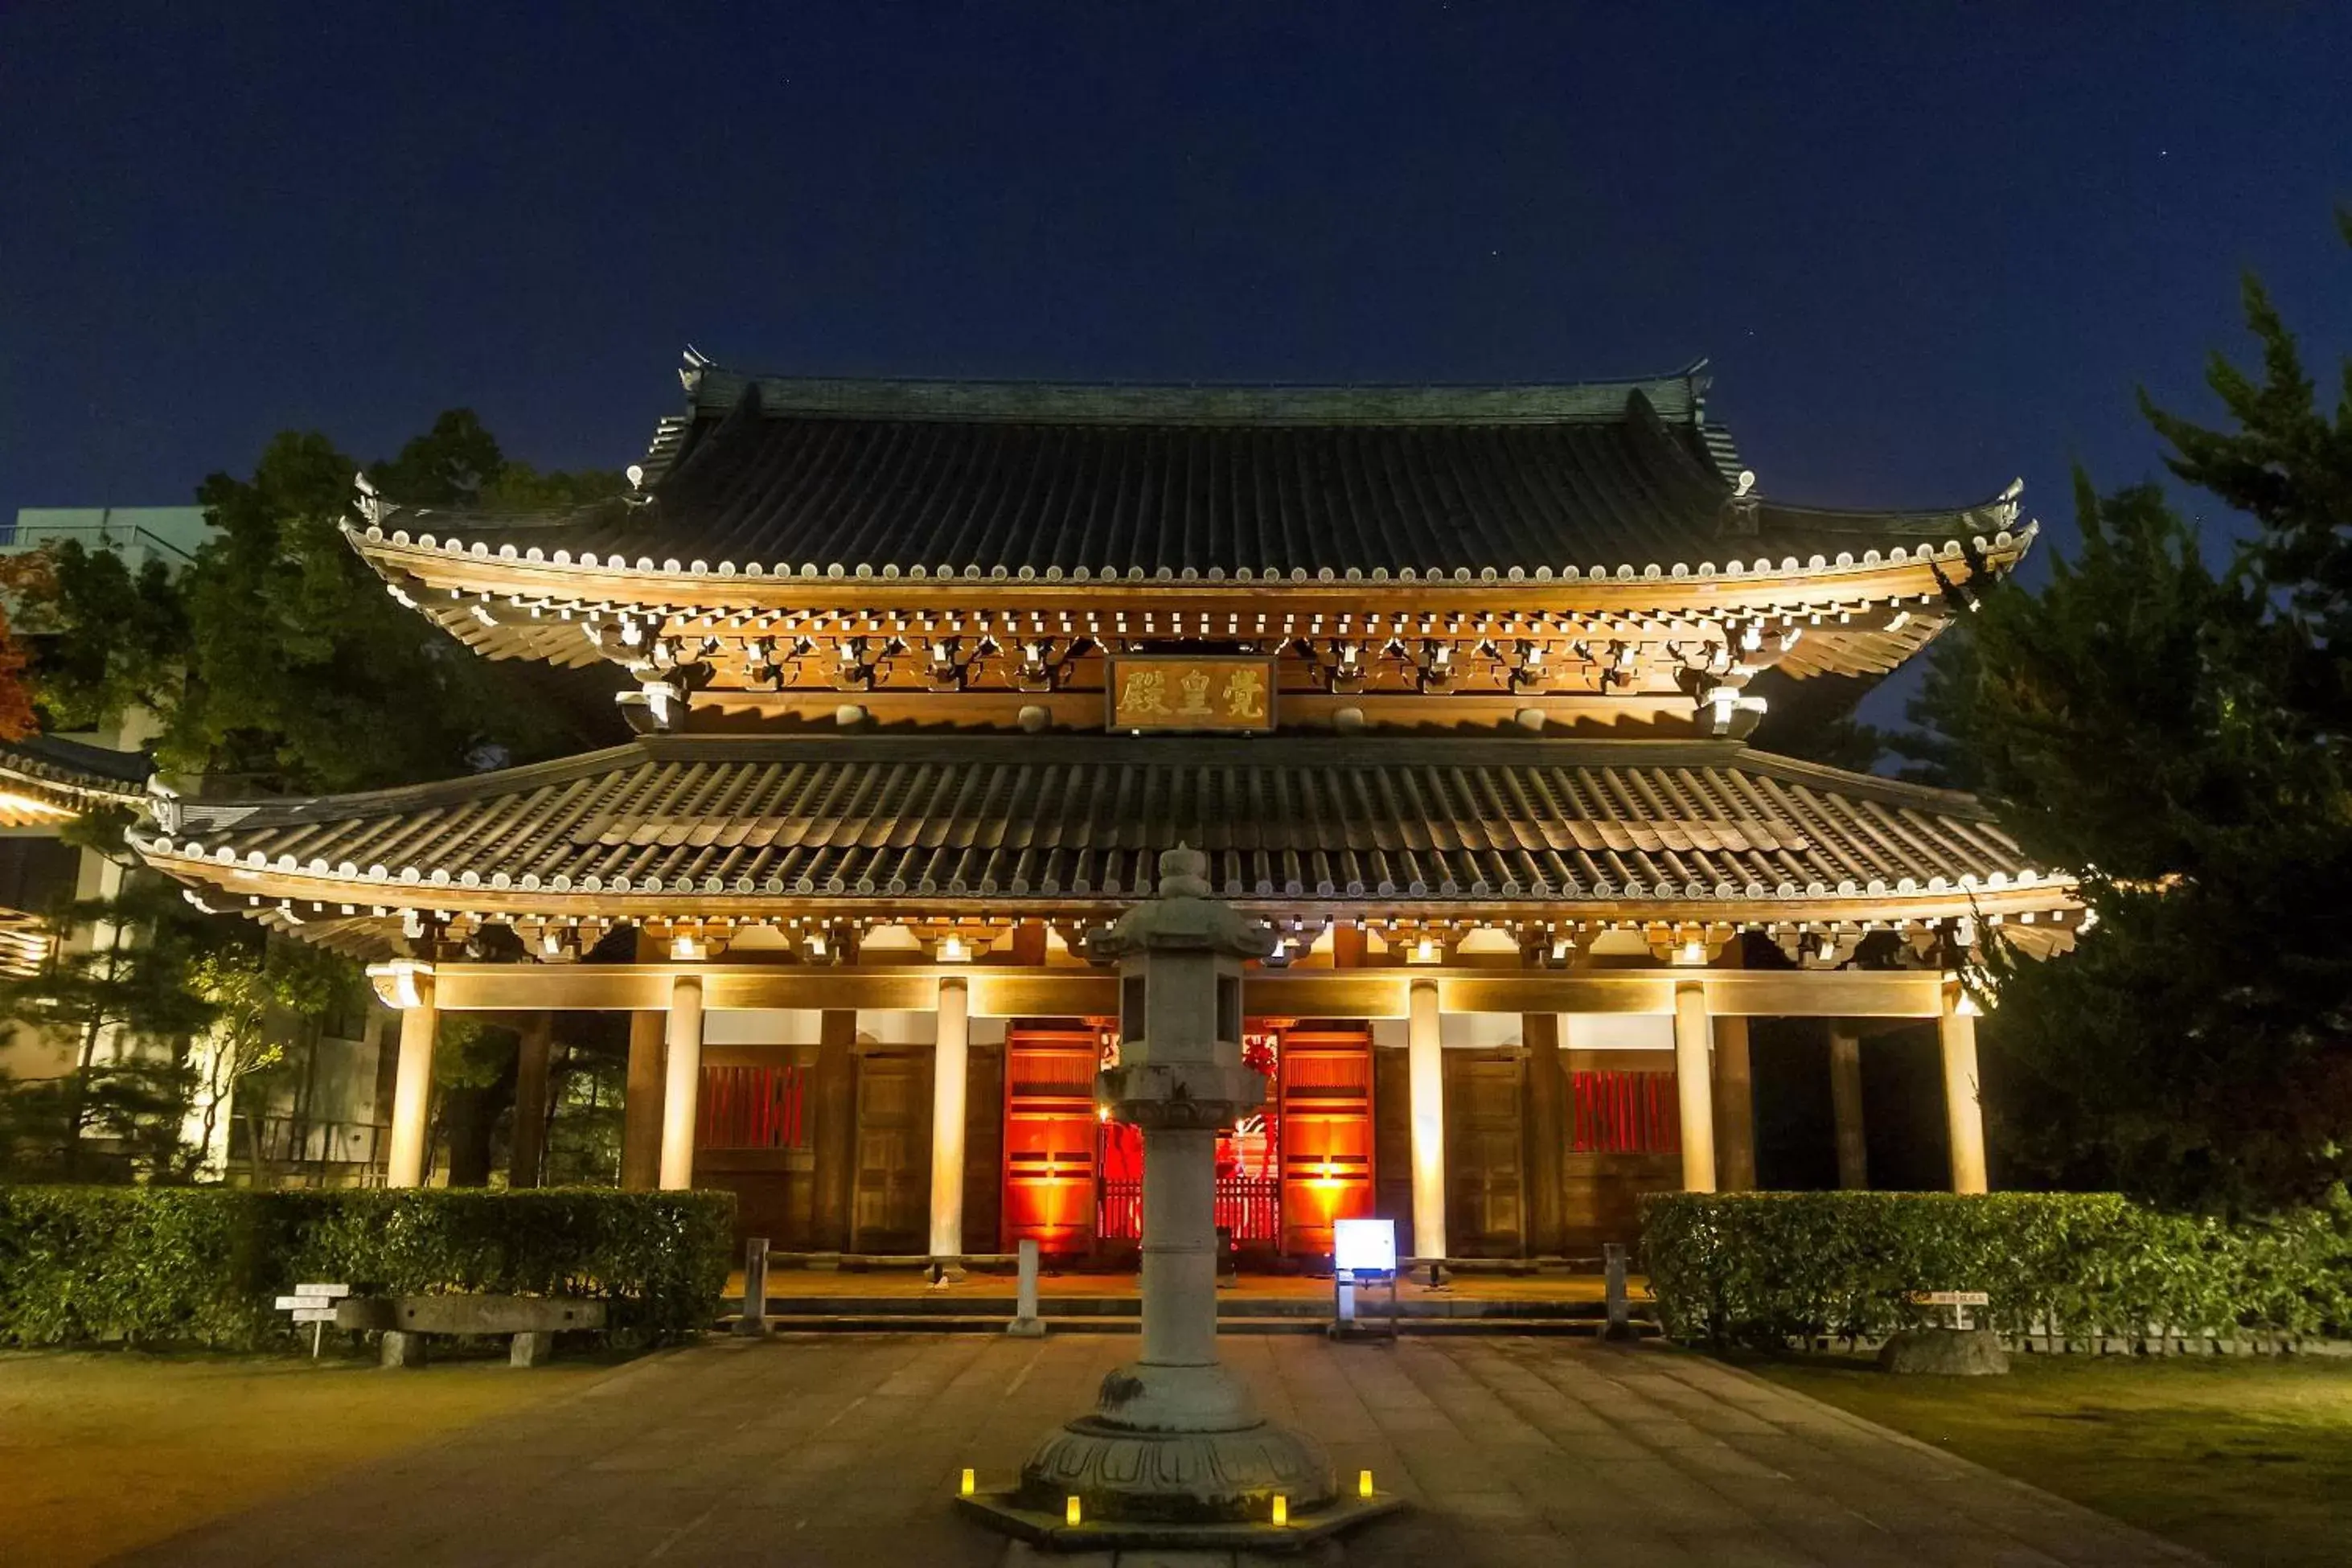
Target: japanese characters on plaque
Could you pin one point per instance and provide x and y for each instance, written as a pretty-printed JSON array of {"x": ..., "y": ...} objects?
[{"x": 1218, "y": 693}]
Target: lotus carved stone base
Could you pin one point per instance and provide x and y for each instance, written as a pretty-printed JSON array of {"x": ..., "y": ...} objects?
[{"x": 1177, "y": 1478}]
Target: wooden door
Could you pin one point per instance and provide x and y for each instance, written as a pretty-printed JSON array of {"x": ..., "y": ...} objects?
[
  {"x": 984, "y": 1147},
  {"x": 1485, "y": 1175},
  {"x": 1392, "y": 1144},
  {"x": 1327, "y": 1133},
  {"x": 892, "y": 1210},
  {"x": 1050, "y": 1138}
]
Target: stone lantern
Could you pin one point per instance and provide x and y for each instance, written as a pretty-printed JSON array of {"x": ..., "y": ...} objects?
[{"x": 1175, "y": 1450}]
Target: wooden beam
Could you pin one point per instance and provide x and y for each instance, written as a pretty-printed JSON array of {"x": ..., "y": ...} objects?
[{"x": 1009, "y": 992}]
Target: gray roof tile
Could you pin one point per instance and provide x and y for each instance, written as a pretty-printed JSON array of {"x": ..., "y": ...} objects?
[{"x": 1363, "y": 820}]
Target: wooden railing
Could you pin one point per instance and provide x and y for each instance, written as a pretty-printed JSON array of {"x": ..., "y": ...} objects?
[{"x": 1250, "y": 1207}]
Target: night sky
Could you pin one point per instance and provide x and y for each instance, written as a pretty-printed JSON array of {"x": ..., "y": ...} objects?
[{"x": 1926, "y": 249}]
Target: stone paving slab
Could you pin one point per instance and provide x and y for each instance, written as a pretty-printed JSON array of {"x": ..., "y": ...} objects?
[{"x": 824, "y": 1452}]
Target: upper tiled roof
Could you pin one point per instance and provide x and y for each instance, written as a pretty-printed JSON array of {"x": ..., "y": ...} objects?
[
  {"x": 1363, "y": 821},
  {"x": 930, "y": 477}
]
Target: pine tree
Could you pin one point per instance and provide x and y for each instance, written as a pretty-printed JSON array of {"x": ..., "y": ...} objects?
[
  {"x": 124, "y": 1007},
  {"x": 2174, "y": 736}
]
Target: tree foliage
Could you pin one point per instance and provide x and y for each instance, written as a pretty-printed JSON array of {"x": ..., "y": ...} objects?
[
  {"x": 111, "y": 637},
  {"x": 299, "y": 654},
  {"x": 256, "y": 988},
  {"x": 277, "y": 657},
  {"x": 2175, "y": 735}
]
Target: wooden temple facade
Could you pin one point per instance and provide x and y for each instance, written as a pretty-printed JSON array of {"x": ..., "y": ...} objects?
[{"x": 1453, "y": 686}]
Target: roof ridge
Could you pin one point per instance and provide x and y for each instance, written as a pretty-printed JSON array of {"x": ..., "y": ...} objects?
[
  {"x": 1875, "y": 786},
  {"x": 277, "y": 808},
  {"x": 1998, "y": 510},
  {"x": 712, "y": 388}
]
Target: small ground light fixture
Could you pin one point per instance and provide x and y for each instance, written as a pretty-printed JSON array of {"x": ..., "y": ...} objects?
[
  {"x": 964, "y": 1487},
  {"x": 1363, "y": 1483},
  {"x": 1070, "y": 1510},
  {"x": 1281, "y": 1508}
]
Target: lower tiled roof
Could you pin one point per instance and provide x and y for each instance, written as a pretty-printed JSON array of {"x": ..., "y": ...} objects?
[
  {"x": 1361, "y": 819},
  {"x": 46, "y": 777}
]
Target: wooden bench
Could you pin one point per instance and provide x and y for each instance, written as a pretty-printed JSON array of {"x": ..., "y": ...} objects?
[{"x": 534, "y": 1321}]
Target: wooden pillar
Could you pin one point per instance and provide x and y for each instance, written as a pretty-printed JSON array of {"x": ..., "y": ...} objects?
[
  {"x": 1845, "y": 1105},
  {"x": 1425, "y": 1067},
  {"x": 412, "y": 1087},
  {"x": 681, "y": 1081},
  {"x": 1546, "y": 1134},
  {"x": 528, "y": 1148},
  {"x": 1956, "y": 1032},
  {"x": 641, "y": 1104},
  {"x": 948, "y": 1067},
  {"x": 834, "y": 1134},
  {"x": 1693, "y": 1085},
  {"x": 1735, "y": 1107}
]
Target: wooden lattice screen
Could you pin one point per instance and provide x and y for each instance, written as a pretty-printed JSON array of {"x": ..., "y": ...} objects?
[
  {"x": 753, "y": 1108},
  {"x": 1624, "y": 1113}
]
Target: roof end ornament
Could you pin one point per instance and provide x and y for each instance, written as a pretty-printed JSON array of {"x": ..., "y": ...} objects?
[
  {"x": 368, "y": 505},
  {"x": 164, "y": 805}
]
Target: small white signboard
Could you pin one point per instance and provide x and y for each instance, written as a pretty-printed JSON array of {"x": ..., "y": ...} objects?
[
  {"x": 314, "y": 1305},
  {"x": 1363, "y": 1246}
]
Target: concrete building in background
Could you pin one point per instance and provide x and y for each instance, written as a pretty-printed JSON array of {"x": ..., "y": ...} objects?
[{"x": 138, "y": 534}]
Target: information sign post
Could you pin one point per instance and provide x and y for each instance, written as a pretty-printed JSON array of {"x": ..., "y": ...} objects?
[
  {"x": 1363, "y": 1252},
  {"x": 314, "y": 1305}
]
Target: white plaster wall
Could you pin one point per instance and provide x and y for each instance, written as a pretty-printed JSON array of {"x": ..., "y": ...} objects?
[
  {"x": 1618, "y": 1031},
  {"x": 762, "y": 1026},
  {"x": 921, "y": 1028},
  {"x": 1456, "y": 1031}
]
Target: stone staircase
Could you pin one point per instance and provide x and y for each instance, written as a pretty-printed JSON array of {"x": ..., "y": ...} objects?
[{"x": 960, "y": 1311}]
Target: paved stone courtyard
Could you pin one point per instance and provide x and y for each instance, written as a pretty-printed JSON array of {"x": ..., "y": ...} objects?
[{"x": 839, "y": 1450}]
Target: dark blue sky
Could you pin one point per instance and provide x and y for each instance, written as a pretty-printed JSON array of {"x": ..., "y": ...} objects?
[{"x": 1926, "y": 248}]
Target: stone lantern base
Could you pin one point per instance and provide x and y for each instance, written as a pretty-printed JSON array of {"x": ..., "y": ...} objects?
[
  {"x": 1175, "y": 1456},
  {"x": 1176, "y": 1446}
]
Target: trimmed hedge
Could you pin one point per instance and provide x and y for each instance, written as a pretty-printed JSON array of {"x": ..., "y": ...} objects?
[
  {"x": 1765, "y": 1268},
  {"x": 199, "y": 1266}
]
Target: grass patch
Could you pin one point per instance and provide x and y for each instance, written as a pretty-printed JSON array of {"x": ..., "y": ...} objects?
[
  {"x": 104, "y": 1451},
  {"x": 2248, "y": 1459}
]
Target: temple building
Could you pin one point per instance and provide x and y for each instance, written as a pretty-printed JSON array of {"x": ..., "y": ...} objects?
[{"x": 1452, "y": 685}]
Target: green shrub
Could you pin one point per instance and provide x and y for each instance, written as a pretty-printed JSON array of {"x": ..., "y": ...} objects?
[
  {"x": 1765, "y": 1269},
  {"x": 201, "y": 1266}
]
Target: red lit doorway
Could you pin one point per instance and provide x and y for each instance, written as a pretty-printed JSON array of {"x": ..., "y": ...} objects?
[
  {"x": 1249, "y": 1181},
  {"x": 1075, "y": 1184},
  {"x": 1050, "y": 1137},
  {"x": 1326, "y": 1132}
]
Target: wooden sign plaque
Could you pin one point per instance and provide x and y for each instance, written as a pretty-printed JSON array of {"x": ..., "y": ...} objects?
[{"x": 1233, "y": 694}]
